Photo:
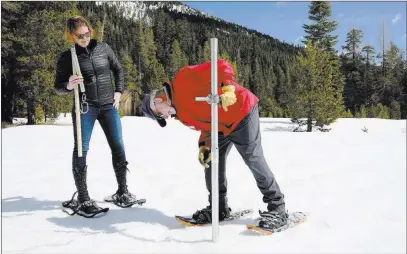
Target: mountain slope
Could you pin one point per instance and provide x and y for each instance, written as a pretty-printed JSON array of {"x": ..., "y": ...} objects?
[{"x": 139, "y": 10}]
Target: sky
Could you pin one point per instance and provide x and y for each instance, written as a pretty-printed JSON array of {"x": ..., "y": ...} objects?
[
  {"x": 353, "y": 205},
  {"x": 284, "y": 20}
]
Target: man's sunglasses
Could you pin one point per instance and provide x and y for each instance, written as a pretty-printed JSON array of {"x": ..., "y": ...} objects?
[
  {"x": 164, "y": 97},
  {"x": 82, "y": 36}
]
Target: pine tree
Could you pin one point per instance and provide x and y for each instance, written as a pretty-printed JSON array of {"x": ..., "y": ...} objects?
[
  {"x": 362, "y": 113},
  {"x": 281, "y": 81},
  {"x": 245, "y": 79},
  {"x": 353, "y": 46},
  {"x": 39, "y": 50},
  {"x": 99, "y": 30},
  {"x": 319, "y": 36},
  {"x": 351, "y": 59},
  {"x": 403, "y": 106},
  {"x": 320, "y": 32},
  {"x": 13, "y": 15},
  {"x": 256, "y": 79},
  {"x": 177, "y": 59},
  {"x": 395, "y": 66},
  {"x": 315, "y": 97},
  {"x": 154, "y": 77},
  {"x": 151, "y": 48},
  {"x": 225, "y": 55},
  {"x": 207, "y": 51},
  {"x": 287, "y": 91},
  {"x": 368, "y": 87},
  {"x": 131, "y": 81},
  {"x": 368, "y": 52},
  {"x": 395, "y": 112},
  {"x": 130, "y": 71},
  {"x": 384, "y": 45},
  {"x": 142, "y": 59}
]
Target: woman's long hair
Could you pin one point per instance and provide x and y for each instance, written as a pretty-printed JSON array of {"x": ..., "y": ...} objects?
[{"x": 73, "y": 24}]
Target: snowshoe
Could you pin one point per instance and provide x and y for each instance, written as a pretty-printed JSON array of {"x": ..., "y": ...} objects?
[
  {"x": 87, "y": 209},
  {"x": 124, "y": 200}
]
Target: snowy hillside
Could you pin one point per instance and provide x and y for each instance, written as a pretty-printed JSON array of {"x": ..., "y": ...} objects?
[
  {"x": 137, "y": 10},
  {"x": 352, "y": 185}
]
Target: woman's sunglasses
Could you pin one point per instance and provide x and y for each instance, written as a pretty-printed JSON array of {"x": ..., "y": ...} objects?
[{"x": 82, "y": 36}]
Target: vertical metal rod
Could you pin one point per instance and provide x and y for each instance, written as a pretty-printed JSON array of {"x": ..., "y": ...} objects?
[
  {"x": 213, "y": 99},
  {"x": 214, "y": 137}
]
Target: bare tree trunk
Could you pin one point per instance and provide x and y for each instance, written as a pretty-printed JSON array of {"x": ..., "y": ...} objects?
[
  {"x": 7, "y": 106},
  {"x": 30, "y": 112},
  {"x": 133, "y": 104},
  {"x": 309, "y": 124},
  {"x": 383, "y": 44},
  {"x": 8, "y": 86},
  {"x": 309, "y": 115}
]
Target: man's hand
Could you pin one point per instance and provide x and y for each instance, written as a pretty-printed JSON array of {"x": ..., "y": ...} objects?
[
  {"x": 74, "y": 81},
  {"x": 228, "y": 97},
  {"x": 116, "y": 102},
  {"x": 204, "y": 156}
]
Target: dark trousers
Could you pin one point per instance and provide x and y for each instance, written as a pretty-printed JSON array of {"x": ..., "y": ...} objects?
[
  {"x": 109, "y": 120},
  {"x": 247, "y": 140}
]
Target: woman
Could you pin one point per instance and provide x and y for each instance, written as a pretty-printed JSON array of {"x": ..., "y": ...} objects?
[{"x": 101, "y": 102}]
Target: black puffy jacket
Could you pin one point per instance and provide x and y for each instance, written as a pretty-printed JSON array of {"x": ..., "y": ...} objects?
[{"x": 95, "y": 61}]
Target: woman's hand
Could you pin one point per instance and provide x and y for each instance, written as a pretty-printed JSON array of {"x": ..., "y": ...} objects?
[
  {"x": 74, "y": 81},
  {"x": 116, "y": 102}
]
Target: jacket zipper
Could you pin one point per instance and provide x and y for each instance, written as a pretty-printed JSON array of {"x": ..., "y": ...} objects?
[{"x": 94, "y": 73}]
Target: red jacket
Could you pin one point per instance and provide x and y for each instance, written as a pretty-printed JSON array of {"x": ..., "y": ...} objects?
[{"x": 195, "y": 81}]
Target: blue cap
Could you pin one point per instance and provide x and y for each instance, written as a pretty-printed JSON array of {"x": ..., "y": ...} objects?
[{"x": 146, "y": 108}]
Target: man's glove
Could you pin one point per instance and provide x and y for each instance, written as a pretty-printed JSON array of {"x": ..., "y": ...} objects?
[
  {"x": 204, "y": 156},
  {"x": 228, "y": 97}
]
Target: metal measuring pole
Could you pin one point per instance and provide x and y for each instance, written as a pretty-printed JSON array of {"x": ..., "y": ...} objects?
[
  {"x": 77, "y": 71},
  {"x": 213, "y": 99}
]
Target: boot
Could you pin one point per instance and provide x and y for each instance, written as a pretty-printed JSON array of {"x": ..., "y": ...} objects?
[
  {"x": 83, "y": 206},
  {"x": 204, "y": 215},
  {"x": 122, "y": 198},
  {"x": 273, "y": 220},
  {"x": 87, "y": 209},
  {"x": 120, "y": 170},
  {"x": 79, "y": 175}
]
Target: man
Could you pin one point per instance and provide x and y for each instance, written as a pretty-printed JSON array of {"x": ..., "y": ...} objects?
[{"x": 238, "y": 119}]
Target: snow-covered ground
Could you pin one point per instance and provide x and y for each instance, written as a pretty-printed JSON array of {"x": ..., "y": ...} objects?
[{"x": 352, "y": 185}]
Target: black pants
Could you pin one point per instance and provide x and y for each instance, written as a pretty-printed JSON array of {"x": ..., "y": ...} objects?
[{"x": 247, "y": 140}]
